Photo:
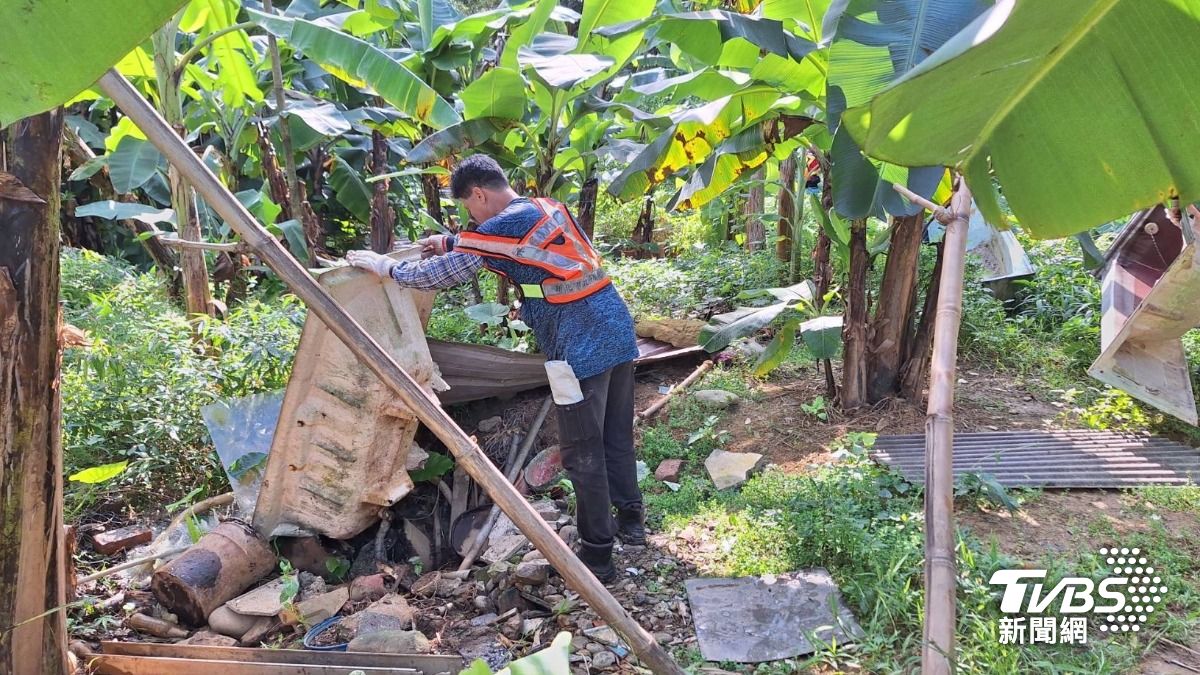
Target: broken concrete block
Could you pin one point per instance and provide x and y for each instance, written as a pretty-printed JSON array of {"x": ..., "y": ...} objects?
[
  {"x": 547, "y": 509},
  {"x": 504, "y": 549},
  {"x": 604, "y": 635},
  {"x": 730, "y": 469},
  {"x": 668, "y": 470},
  {"x": 545, "y": 469},
  {"x": 392, "y": 642},
  {"x": 262, "y": 601},
  {"x": 534, "y": 573},
  {"x": 718, "y": 399},
  {"x": 416, "y": 458},
  {"x": 305, "y": 553},
  {"x": 391, "y": 612},
  {"x": 265, "y": 626},
  {"x": 604, "y": 660},
  {"x": 228, "y": 622},
  {"x": 209, "y": 639},
  {"x": 317, "y": 609},
  {"x": 108, "y": 542}
]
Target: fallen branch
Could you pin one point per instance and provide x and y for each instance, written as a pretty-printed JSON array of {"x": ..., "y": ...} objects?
[
  {"x": 235, "y": 247},
  {"x": 202, "y": 506},
  {"x": 131, "y": 563},
  {"x": 515, "y": 463},
  {"x": 658, "y": 405}
]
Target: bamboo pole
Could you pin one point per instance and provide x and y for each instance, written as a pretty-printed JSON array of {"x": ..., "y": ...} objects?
[
  {"x": 687, "y": 382},
  {"x": 937, "y": 654},
  {"x": 424, "y": 405}
]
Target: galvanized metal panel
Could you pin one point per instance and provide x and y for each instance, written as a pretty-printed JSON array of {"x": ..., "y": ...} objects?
[
  {"x": 1148, "y": 298},
  {"x": 342, "y": 442},
  {"x": 1064, "y": 459}
]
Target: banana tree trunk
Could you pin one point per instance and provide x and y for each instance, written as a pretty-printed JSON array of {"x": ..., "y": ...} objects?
[
  {"x": 433, "y": 197},
  {"x": 892, "y": 309},
  {"x": 822, "y": 267},
  {"x": 756, "y": 234},
  {"x": 285, "y": 132},
  {"x": 854, "y": 334},
  {"x": 587, "y": 206},
  {"x": 643, "y": 232},
  {"x": 787, "y": 208},
  {"x": 197, "y": 297},
  {"x": 32, "y": 548},
  {"x": 916, "y": 364},
  {"x": 382, "y": 217}
]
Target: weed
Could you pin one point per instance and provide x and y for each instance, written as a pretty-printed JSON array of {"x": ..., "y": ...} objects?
[{"x": 816, "y": 408}]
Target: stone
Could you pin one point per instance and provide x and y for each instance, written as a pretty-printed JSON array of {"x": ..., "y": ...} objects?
[
  {"x": 730, "y": 469},
  {"x": 663, "y": 638},
  {"x": 392, "y": 642},
  {"x": 321, "y": 607},
  {"x": 108, "y": 542},
  {"x": 508, "y": 599},
  {"x": 306, "y": 554},
  {"x": 604, "y": 659},
  {"x": 416, "y": 458},
  {"x": 603, "y": 634},
  {"x": 545, "y": 469},
  {"x": 436, "y": 583},
  {"x": 533, "y": 556},
  {"x": 485, "y": 619},
  {"x": 578, "y": 643},
  {"x": 512, "y": 627},
  {"x": 718, "y": 399},
  {"x": 595, "y": 648},
  {"x": 489, "y": 425},
  {"x": 531, "y": 625},
  {"x": 668, "y": 470},
  {"x": 209, "y": 639},
  {"x": 569, "y": 534},
  {"x": 228, "y": 622},
  {"x": 481, "y": 602},
  {"x": 265, "y": 626},
  {"x": 371, "y": 588},
  {"x": 547, "y": 509},
  {"x": 532, "y": 573}
]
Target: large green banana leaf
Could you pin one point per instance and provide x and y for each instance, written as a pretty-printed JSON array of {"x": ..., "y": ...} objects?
[
  {"x": 699, "y": 34},
  {"x": 54, "y": 49},
  {"x": 362, "y": 65},
  {"x": 875, "y": 42},
  {"x": 1082, "y": 109},
  {"x": 600, "y": 13}
]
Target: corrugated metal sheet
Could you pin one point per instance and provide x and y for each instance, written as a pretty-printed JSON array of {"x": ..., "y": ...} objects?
[
  {"x": 476, "y": 372},
  {"x": 1062, "y": 459}
]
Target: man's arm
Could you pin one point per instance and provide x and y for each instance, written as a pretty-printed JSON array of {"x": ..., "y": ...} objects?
[{"x": 442, "y": 271}]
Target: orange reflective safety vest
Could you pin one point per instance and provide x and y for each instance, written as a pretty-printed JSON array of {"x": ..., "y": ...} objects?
[{"x": 556, "y": 245}]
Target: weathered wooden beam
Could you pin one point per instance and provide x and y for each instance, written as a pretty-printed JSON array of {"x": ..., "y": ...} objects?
[{"x": 428, "y": 663}]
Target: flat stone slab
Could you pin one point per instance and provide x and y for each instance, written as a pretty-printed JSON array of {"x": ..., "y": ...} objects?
[
  {"x": 730, "y": 469},
  {"x": 757, "y": 619},
  {"x": 716, "y": 398}
]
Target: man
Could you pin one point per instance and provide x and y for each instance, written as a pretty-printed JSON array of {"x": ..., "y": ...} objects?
[{"x": 577, "y": 316}]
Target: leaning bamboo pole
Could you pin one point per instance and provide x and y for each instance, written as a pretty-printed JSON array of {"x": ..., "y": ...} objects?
[
  {"x": 937, "y": 653},
  {"x": 362, "y": 345}
]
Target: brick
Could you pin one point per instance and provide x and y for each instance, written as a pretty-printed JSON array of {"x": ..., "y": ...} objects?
[
  {"x": 668, "y": 470},
  {"x": 109, "y": 542}
]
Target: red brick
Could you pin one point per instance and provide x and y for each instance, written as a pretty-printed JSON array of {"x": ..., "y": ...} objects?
[
  {"x": 109, "y": 542},
  {"x": 668, "y": 470}
]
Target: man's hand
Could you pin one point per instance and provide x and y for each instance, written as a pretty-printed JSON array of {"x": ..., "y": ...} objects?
[
  {"x": 381, "y": 265},
  {"x": 437, "y": 244}
]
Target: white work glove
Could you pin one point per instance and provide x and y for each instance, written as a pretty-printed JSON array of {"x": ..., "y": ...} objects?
[
  {"x": 381, "y": 265},
  {"x": 438, "y": 244}
]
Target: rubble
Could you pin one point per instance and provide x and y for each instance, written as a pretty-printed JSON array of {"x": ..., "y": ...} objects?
[
  {"x": 392, "y": 642},
  {"x": 730, "y": 469},
  {"x": 305, "y": 553},
  {"x": 534, "y": 573},
  {"x": 717, "y": 399}
]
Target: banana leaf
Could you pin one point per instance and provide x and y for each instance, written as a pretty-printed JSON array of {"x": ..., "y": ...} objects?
[{"x": 1073, "y": 108}]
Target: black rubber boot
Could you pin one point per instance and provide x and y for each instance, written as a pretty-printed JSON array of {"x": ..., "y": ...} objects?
[
  {"x": 598, "y": 559},
  {"x": 631, "y": 525}
]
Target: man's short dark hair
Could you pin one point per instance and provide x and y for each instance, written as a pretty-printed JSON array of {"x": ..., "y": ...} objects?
[{"x": 476, "y": 171}]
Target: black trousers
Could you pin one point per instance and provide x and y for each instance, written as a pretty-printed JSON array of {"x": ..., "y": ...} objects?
[{"x": 596, "y": 439}]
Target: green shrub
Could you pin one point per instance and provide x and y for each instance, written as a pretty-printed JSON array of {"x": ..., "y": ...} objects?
[
  {"x": 135, "y": 393},
  {"x": 675, "y": 286}
]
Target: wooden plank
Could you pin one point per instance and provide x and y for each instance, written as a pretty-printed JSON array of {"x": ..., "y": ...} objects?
[
  {"x": 114, "y": 664},
  {"x": 430, "y": 664}
]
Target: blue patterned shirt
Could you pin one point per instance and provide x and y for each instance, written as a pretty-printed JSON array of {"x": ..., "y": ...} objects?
[{"x": 592, "y": 334}]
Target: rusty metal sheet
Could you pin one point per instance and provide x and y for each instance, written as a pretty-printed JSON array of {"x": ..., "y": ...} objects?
[
  {"x": 475, "y": 372},
  {"x": 1054, "y": 459},
  {"x": 1149, "y": 292},
  {"x": 342, "y": 443}
]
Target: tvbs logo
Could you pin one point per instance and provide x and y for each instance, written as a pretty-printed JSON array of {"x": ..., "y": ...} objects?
[{"x": 1126, "y": 599}]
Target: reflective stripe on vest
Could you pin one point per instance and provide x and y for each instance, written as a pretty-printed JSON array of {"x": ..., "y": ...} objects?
[{"x": 574, "y": 265}]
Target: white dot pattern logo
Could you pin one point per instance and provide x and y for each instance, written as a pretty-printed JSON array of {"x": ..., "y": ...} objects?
[{"x": 1142, "y": 599}]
